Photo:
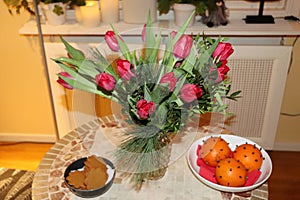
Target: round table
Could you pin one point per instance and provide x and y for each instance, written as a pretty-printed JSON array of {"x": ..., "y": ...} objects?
[{"x": 178, "y": 182}]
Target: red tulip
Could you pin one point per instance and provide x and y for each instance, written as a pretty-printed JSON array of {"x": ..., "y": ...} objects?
[
  {"x": 223, "y": 51},
  {"x": 145, "y": 108},
  {"x": 190, "y": 92},
  {"x": 124, "y": 69},
  {"x": 169, "y": 78},
  {"x": 105, "y": 81},
  {"x": 221, "y": 70},
  {"x": 183, "y": 46},
  {"x": 111, "y": 41},
  {"x": 64, "y": 83}
]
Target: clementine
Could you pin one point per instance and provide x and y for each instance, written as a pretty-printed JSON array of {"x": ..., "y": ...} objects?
[
  {"x": 230, "y": 172},
  {"x": 249, "y": 155},
  {"x": 213, "y": 150}
]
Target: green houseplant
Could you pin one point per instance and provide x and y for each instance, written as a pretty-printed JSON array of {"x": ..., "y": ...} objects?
[
  {"x": 212, "y": 12},
  {"x": 17, "y": 5},
  {"x": 164, "y": 6},
  {"x": 77, "y": 3}
]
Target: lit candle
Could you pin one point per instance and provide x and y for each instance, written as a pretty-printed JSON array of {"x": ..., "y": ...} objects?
[
  {"x": 90, "y": 14},
  {"x": 109, "y": 11}
]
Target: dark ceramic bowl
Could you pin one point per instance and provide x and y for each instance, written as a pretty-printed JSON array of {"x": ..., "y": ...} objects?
[{"x": 79, "y": 164}]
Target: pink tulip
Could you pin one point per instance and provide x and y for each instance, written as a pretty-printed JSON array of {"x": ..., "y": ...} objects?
[
  {"x": 111, "y": 41},
  {"x": 144, "y": 33},
  {"x": 223, "y": 51},
  {"x": 190, "y": 92},
  {"x": 183, "y": 46},
  {"x": 64, "y": 83},
  {"x": 145, "y": 108},
  {"x": 124, "y": 69},
  {"x": 105, "y": 81},
  {"x": 169, "y": 78}
]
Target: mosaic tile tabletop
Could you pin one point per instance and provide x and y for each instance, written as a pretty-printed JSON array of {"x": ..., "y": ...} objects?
[{"x": 91, "y": 138}]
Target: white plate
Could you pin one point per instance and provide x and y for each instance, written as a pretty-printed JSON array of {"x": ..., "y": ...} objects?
[{"x": 266, "y": 167}]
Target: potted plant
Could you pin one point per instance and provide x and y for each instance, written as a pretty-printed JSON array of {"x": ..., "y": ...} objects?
[
  {"x": 17, "y": 5},
  {"x": 55, "y": 11},
  {"x": 212, "y": 12},
  {"x": 182, "y": 9},
  {"x": 164, "y": 6}
]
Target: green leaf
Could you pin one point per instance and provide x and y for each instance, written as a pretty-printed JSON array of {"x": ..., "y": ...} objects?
[
  {"x": 86, "y": 66},
  {"x": 160, "y": 92},
  {"x": 178, "y": 101},
  {"x": 153, "y": 56},
  {"x": 77, "y": 77},
  {"x": 160, "y": 115},
  {"x": 234, "y": 95},
  {"x": 147, "y": 95},
  {"x": 102, "y": 64},
  {"x": 182, "y": 29},
  {"x": 123, "y": 46},
  {"x": 219, "y": 99},
  {"x": 150, "y": 38},
  {"x": 74, "y": 53},
  {"x": 179, "y": 84}
]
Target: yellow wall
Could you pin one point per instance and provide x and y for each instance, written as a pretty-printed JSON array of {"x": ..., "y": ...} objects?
[
  {"x": 289, "y": 126},
  {"x": 24, "y": 99}
]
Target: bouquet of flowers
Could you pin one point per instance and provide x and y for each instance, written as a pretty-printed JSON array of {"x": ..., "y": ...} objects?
[{"x": 160, "y": 90}]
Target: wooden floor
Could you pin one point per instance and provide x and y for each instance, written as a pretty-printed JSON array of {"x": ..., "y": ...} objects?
[
  {"x": 22, "y": 155},
  {"x": 284, "y": 182}
]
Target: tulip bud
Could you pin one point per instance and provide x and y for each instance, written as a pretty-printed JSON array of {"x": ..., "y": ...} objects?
[
  {"x": 169, "y": 78},
  {"x": 105, "y": 81},
  {"x": 190, "y": 92},
  {"x": 219, "y": 74},
  {"x": 183, "y": 46},
  {"x": 64, "y": 83},
  {"x": 124, "y": 69},
  {"x": 144, "y": 33},
  {"x": 111, "y": 41},
  {"x": 145, "y": 108},
  {"x": 223, "y": 51}
]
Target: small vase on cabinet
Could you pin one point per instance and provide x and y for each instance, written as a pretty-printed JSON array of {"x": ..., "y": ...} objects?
[
  {"x": 55, "y": 13},
  {"x": 182, "y": 12},
  {"x": 136, "y": 11}
]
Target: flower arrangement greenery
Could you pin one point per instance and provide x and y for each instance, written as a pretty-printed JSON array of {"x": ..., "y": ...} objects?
[{"x": 159, "y": 95}]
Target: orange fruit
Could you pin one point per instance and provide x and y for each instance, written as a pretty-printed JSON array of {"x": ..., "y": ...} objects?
[
  {"x": 230, "y": 172},
  {"x": 213, "y": 150},
  {"x": 249, "y": 155}
]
